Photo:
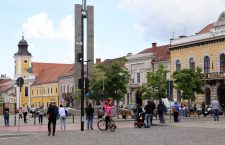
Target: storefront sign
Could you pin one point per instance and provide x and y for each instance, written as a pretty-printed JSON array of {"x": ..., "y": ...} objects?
[{"x": 215, "y": 75}]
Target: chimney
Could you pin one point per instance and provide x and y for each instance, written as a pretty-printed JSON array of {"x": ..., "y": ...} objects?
[
  {"x": 154, "y": 44},
  {"x": 98, "y": 60}
]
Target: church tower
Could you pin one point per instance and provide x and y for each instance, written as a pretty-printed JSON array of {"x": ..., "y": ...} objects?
[{"x": 23, "y": 69}]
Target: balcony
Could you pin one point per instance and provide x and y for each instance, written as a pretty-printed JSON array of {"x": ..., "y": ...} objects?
[{"x": 215, "y": 75}]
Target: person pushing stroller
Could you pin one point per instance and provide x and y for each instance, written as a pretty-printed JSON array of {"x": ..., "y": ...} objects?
[{"x": 140, "y": 115}]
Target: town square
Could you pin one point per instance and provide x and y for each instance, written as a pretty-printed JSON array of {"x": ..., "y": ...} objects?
[{"x": 112, "y": 72}]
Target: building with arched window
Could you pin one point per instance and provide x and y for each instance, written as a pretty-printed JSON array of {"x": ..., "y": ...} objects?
[{"x": 205, "y": 49}]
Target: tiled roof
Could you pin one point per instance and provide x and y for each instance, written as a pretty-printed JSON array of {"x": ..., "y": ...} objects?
[
  {"x": 49, "y": 72},
  {"x": 161, "y": 53},
  {"x": 108, "y": 62},
  {"x": 206, "y": 28},
  {"x": 6, "y": 84}
]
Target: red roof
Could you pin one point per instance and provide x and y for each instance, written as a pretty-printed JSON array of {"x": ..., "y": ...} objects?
[
  {"x": 49, "y": 72},
  {"x": 161, "y": 53},
  {"x": 206, "y": 29}
]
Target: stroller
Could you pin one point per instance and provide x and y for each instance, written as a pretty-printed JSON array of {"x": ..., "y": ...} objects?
[{"x": 139, "y": 122}]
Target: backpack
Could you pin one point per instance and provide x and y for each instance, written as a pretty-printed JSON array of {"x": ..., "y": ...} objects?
[{"x": 66, "y": 112}]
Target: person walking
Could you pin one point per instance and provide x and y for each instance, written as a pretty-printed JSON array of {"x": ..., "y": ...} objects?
[
  {"x": 89, "y": 112},
  {"x": 215, "y": 106},
  {"x": 6, "y": 115},
  {"x": 40, "y": 114},
  {"x": 53, "y": 113},
  {"x": 160, "y": 109},
  {"x": 203, "y": 109},
  {"x": 62, "y": 117},
  {"x": 153, "y": 110},
  {"x": 175, "y": 112},
  {"x": 24, "y": 110},
  {"x": 148, "y": 113}
]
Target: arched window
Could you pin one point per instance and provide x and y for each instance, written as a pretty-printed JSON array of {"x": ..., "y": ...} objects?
[
  {"x": 191, "y": 63},
  {"x": 206, "y": 64},
  {"x": 178, "y": 65},
  {"x": 222, "y": 63},
  {"x": 26, "y": 91}
]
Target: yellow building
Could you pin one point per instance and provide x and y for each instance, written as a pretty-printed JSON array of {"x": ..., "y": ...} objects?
[
  {"x": 205, "y": 49},
  {"x": 40, "y": 79}
]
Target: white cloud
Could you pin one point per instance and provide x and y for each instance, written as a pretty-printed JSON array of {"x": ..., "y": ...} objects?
[
  {"x": 39, "y": 26},
  {"x": 159, "y": 19}
]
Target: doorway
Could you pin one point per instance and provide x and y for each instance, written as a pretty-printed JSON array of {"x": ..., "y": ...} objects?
[{"x": 221, "y": 93}]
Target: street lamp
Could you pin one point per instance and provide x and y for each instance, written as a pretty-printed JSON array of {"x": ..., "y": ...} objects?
[
  {"x": 87, "y": 61},
  {"x": 83, "y": 16}
]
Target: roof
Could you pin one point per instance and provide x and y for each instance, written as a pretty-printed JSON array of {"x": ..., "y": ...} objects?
[
  {"x": 108, "y": 62},
  {"x": 49, "y": 72},
  {"x": 206, "y": 28},
  {"x": 6, "y": 84},
  {"x": 161, "y": 53},
  {"x": 22, "y": 48}
]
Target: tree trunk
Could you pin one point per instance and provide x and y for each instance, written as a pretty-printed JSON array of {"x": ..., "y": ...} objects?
[{"x": 117, "y": 109}]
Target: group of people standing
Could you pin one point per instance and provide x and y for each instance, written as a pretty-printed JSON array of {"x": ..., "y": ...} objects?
[{"x": 150, "y": 109}]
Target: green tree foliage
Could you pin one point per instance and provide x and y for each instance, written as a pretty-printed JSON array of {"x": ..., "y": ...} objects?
[
  {"x": 156, "y": 84},
  {"x": 116, "y": 79},
  {"x": 189, "y": 82}
]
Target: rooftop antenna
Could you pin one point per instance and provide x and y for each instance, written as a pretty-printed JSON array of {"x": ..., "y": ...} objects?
[{"x": 185, "y": 31}]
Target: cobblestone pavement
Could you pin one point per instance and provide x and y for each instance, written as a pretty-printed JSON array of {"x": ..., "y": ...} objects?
[{"x": 191, "y": 131}]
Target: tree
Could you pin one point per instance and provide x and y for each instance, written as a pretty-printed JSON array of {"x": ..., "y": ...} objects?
[
  {"x": 189, "y": 82},
  {"x": 156, "y": 84},
  {"x": 115, "y": 80}
]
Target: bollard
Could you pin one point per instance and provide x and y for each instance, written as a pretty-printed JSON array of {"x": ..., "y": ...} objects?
[
  {"x": 73, "y": 118},
  {"x": 35, "y": 117},
  {"x": 15, "y": 120}
]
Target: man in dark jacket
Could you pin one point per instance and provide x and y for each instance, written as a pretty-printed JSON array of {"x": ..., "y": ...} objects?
[
  {"x": 148, "y": 113},
  {"x": 153, "y": 108},
  {"x": 52, "y": 116},
  {"x": 6, "y": 115}
]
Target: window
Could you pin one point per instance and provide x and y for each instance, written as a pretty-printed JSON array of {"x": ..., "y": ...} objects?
[
  {"x": 56, "y": 91},
  {"x": 191, "y": 63},
  {"x": 222, "y": 63},
  {"x": 178, "y": 65},
  {"x": 26, "y": 91},
  {"x": 51, "y": 90},
  {"x": 25, "y": 61},
  {"x": 68, "y": 89},
  {"x": 138, "y": 78},
  {"x": 37, "y": 91},
  {"x": 206, "y": 64},
  {"x": 48, "y": 90},
  {"x": 32, "y": 92}
]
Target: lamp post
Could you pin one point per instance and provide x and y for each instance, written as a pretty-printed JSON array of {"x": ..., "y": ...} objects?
[
  {"x": 87, "y": 61},
  {"x": 83, "y": 16}
]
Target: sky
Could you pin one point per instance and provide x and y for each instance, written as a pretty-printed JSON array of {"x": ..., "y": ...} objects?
[{"x": 121, "y": 26}]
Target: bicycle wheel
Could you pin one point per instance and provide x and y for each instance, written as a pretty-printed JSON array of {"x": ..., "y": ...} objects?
[
  {"x": 112, "y": 126},
  {"x": 101, "y": 124}
]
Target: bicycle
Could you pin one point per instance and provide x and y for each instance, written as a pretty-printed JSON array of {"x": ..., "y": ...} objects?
[{"x": 111, "y": 125}]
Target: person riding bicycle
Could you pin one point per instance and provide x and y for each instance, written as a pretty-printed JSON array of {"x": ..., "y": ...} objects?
[{"x": 108, "y": 113}]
